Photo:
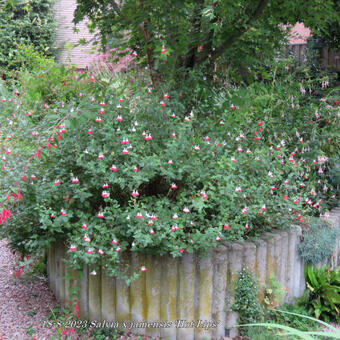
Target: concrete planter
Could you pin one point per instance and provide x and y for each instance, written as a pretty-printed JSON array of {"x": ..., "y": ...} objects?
[{"x": 190, "y": 297}]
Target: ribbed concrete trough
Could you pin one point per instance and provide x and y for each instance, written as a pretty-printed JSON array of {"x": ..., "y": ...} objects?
[{"x": 188, "y": 297}]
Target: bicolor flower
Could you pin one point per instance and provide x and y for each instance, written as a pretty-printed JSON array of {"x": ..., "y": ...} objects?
[
  {"x": 75, "y": 180},
  {"x": 244, "y": 210},
  {"x": 90, "y": 250},
  {"x": 114, "y": 168},
  {"x": 238, "y": 189},
  {"x": 270, "y": 174},
  {"x": 73, "y": 247},
  {"x": 246, "y": 226},
  {"x": 226, "y": 226},
  {"x": 100, "y": 215},
  {"x": 135, "y": 193},
  {"x": 118, "y": 249},
  {"x": 105, "y": 194},
  {"x": 222, "y": 122},
  {"x": 166, "y": 96},
  {"x": 135, "y": 169},
  {"x": 181, "y": 250},
  {"x": 186, "y": 210},
  {"x": 119, "y": 119},
  {"x": 232, "y": 106},
  {"x": 197, "y": 148},
  {"x": 125, "y": 141},
  {"x": 239, "y": 149},
  {"x": 162, "y": 103},
  {"x": 33, "y": 176},
  {"x": 63, "y": 212},
  {"x": 248, "y": 151},
  {"x": 143, "y": 269},
  {"x": 52, "y": 216},
  {"x": 170, "y": 162},
  {"x": 101, "y": 156},
  {"x": 263, "y": 208},
  {"x": 105, "y": 185},
  {"x": 57, "y": 182},
  {"x": 151, "y": 231},
  {"x": 98, "y": 119},
  {"x": 125, "y": 151},
  {"x": 218, "y": 238},
  {"x": 134, "y": 53},
  {"x": 174, "y": 227},
  {"x": 187, "y": 119},
  {"x": 84, "y": 226},
  {"x": 175, "y": 216},
  {"x": 233, "y": 159},
  {"x": 115, "y": 242},
  {"x": 163, "y": 49},
  {"x": 173, "y": 115},
  {"x": 148, "y": 137},
  {"x": 139, "y": 215},
  {"x": 151, "y": 222},
  {"x": 86, "y": 238},
  {"x": 100, "y": 251},
  {"x": 174, "y": 186}
]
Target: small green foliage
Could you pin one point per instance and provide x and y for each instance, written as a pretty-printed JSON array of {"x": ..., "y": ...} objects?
[
  {"x": 274, "y": 293},
  {"x": 246, "y": 301},
  {"x": 322, "y": 296},
  {"x": 32, "y": 312},
  {"x": 319, "y": 241}
]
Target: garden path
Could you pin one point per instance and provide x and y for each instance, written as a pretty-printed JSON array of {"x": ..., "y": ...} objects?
[{"x": 24, "y": 302}]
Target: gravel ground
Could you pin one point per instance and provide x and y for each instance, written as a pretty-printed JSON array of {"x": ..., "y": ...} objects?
[{"x": 24, "y": 302}]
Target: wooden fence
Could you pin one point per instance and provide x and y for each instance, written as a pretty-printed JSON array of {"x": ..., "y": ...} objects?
[{"x": 329, "y": 59}]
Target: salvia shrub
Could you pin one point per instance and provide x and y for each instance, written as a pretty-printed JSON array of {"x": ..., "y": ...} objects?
[{"x": 109, "y": 166}]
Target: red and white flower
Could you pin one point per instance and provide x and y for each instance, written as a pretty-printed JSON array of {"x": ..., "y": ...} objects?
[
  {"x": 162, "y": 103},
  {"x": 98, "y": 119},
  {"x": 100, "y": 251},
  {"x": 270, "y": 174},
  {"x": 125, "y": 151},
  {"x": 186, "y": 210},
  {"x": 113, "y": 168},
  {"x": 197, "y": 148},
  {"x": 263, "y": 208},
  {"x": 101, "y": 156},
  {"x": 170, "y": 162},
  {"x": 139, "y": 215},
  {"x": 75, "y": 180},
  {"x": 57, "y": 182},
  {"x": 143, "y": 269},
  {"x": 105, "y": 185},
  {"x": 218, "y": 238},
  {"x": 151, "y": 231},
  {"x": 174, "y": 186},
  {"x": 86, "y": 238},
  {"x": 226, "y": 226},
  {"x": 100, "y": 215},
  {"x": 118, "y": 249},
  {"x": 90, "y": 250},
  {"x": 105, "y": 194},
  {"x": 63, "y": 212},
  {"x": 175, "y": 216},
  {"x": 238, "y": 189},
  {"x": 119, "y": 118},
  {"x": 84, "y": 226},
  {"x": 73, "y": 247},
  {"x": 135, "y": 193},
  {"x": 115, "y": 242},
  {"x": 166, "y": 96}
]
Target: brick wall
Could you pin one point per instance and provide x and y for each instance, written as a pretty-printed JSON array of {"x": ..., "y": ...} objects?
[{"x": 66, "y": 38}]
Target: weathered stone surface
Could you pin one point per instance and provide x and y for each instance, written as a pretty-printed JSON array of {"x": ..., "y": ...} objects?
[
  {"x": 153, "y": 291},
  {"x": 235, "y": 263},
  {"x": 169, "y": 286},
  {"x": 94, "y": 296},
  {"x": 205, "y": 295},
  {"x": 186, "y": 302},
  {"x": 261, "y": 265},
  {"x": 220, "y": 279}
]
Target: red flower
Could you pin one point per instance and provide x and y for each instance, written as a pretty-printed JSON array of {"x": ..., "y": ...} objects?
[{"x": 181, "y": 250}]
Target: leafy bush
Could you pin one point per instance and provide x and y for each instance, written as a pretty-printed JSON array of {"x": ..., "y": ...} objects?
[
  {"x": 319, "y": 241},
  {"x": 322, "y": 296},
  {"x": 246, "y": 302},
  {"x": 25, "y": 23},
  {"x": 237, "y": 171}
]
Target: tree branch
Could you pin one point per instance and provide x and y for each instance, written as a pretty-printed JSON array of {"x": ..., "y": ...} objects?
[{"x": 237, "y": 33}]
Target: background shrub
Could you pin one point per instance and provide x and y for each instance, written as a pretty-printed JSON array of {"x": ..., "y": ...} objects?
[{"x": 319, "y": 241}]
